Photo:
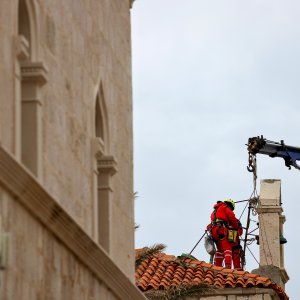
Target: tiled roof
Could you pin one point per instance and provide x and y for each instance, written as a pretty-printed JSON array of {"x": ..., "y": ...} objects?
[{"x": 161, "y": 272}]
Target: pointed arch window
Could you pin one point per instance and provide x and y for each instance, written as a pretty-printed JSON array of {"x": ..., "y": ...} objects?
[
  {"x": 100, "y": 124},
  {"x": 99, "y": 120},
  {"x": 24, "y": 24},
  {"x": 105, "y": 168},
  {"x": 30, "y": 76}
]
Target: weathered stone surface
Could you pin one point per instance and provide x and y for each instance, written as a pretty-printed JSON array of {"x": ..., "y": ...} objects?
[
  {"x": 85, "y": 47},
  {"x": 40, "y": 267},
  {"x": 271, "y": 223},
  {"x": 270, "y": 271}
]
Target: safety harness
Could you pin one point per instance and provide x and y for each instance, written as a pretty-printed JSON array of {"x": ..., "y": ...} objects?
[
  {"x": 231, "y": 233},
  {"x": 217, "y": 221}
]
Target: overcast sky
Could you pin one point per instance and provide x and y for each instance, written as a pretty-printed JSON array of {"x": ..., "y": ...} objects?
[{"x": 207, "y": 75}]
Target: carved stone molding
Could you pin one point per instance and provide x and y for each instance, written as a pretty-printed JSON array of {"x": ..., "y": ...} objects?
[
  {"x": 106, "y": 164},
  {"x": 42, "y": 206},
  {"x": 240, "y": 291},
  {"x": 282, "y": 219},
  {"x": 276, "y": 274},
  {"x": 98, "y": 147},
  {"x": 21, "y": 47},
  {"x": 269, "y": 209},
  {"x": 34, "y": 72},
  {"x": 284, "y": 275}
]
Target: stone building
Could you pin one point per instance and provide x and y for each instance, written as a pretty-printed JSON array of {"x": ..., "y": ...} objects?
[
  {"x": 66, "y": 182},
  {"x": 161, "y": 276}
]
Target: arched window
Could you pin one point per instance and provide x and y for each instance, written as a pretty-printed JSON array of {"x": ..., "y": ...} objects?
[
  {"x": 101, "y": 123},
  {"x": 24, "y": 23},
  {"x": 98, "y": 120},
  {"x": 30, "y": 76},
  {"x": 105, "y": 168}
]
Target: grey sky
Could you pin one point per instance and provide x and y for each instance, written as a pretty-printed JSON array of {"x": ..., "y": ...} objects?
[{"x": 206, "y": 76}]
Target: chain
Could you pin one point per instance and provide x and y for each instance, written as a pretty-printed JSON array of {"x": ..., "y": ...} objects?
[
  {"x": 253, "y": 203},
  {"x": 252, "y": 168}
]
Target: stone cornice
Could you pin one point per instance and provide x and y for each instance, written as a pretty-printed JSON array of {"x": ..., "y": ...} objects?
[
  {"x": 269, "y": 209},
  {"x": 34, "y": 72},
  {"x": 247, "y": 291},
  {"x": 238, "y": 291},
  {"x": 41, "y": 205},
  {"x": 284, "y": 275},
  {"x": 107, "y": 164},
  {"x": 282, "y": 219}
]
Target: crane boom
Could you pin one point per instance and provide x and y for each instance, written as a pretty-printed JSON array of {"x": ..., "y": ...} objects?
[{"x": 290, "y": 154}]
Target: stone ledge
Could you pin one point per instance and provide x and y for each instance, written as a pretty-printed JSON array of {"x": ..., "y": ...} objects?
[
  {"x": 34, "y": 72},
  {"x": 29, "y": 192},
  {"x": 276, "y": 274},
  {"x": 239, "y": 291},
  {"x": 248, "y": 291},
  {"x": 284, "y": 275},
  {"x": 107, "y": 164},
  {"x": 269, "y": 209}
]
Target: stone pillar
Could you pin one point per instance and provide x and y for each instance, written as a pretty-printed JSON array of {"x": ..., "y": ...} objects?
[
  {"x": 270, "y": 229},
  {"x": 21, "y": 46},
  {"x": 106, "y": 167},
  {"x": 33, "y": 77}
]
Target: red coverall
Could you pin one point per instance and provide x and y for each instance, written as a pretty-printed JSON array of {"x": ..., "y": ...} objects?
[
  {"x": 236, "y": 250},
  {"x": 220, "y": 217}
]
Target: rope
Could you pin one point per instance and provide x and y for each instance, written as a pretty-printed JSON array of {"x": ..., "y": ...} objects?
[
  {"x": 253, "y": 199},
  {"x": 253, "y": 255},
  {"x": 253, "y": 230},
  {"x": 244, "y": 209},
  {"x": 198, "y": 242}
]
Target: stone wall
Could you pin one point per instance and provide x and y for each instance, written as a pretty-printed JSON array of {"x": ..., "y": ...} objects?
[
  {"x": 83, "y": 45},
  {"x": 271, "y": 220},
  {"x": 39, "y": 266},
  {"x": 49, "y": 256}
]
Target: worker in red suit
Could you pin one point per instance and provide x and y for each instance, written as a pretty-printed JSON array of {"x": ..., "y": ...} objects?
[{"x": 223, "y": 225}]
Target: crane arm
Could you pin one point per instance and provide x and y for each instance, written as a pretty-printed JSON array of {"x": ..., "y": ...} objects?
[{"x": 261, "y": 145}]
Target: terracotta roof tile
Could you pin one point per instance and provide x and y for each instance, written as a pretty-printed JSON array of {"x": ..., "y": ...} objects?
[{"x": 162, "y": 271}]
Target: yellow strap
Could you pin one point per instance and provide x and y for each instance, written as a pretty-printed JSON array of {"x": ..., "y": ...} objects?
[
  {"x": 232, "y": 234},
  {"x": 220, "y": 220}
]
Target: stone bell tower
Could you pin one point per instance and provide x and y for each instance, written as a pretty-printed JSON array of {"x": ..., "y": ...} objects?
[{"x": 271, "y": 240}]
